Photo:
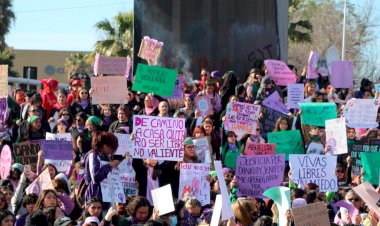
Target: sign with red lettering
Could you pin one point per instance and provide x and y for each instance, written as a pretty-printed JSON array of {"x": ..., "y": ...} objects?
[
  {"x": 242, "y": 118},
  {"x": 158, "y": 138},
  {"x": 252, "y": 148}
]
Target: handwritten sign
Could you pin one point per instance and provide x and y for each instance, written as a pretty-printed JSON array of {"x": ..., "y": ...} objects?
[
  {"x": 252, "y": 148},
  {"x": 158, "y": 138},
  {"x": 125, "y": 144},
  {"x": 193, "y": 182},
  {"x": 5, "y": 162},
  {"x": 361, "y": 113},
  {"x": 52, "y": 124},
  {"x": 57, "y": 149},
  {"x": 275, "y": 102},
  {"x": 318, "y": 169},
  {"x": 27, "y": 152},
  {"x": 370, "y": 162},
  {"x": 150, "y": 50},
  {"x": 312, "y": 64},
  {"x": 242, "y": 118},
  {"x": 127, "y": 177},
  {"x": 255, "y": 174},
  {"x": 163, "y": 199},
  {"x": 352, "y": 210},
  {"x": 311, "y": 214},
  {"x": 316, "y": 114},
  {"x": 42, "y": 182},
  {"x": 112, "y": 65},
  {"x": 109, "y": 89},
  {"x": 153, "y": 79},
  {"x": 3, "y": 81},
  {"x": 202, "y": 148},
  {"x": 64, "y": 136},
  {"x": 60, "y": 165},
  {"x": 112, "y": 189},
  {"x": 177, "y": 92},
  {"x": 356, "y": 157},
  {"x": 295, "y": 95},
  {"x": 287, "y": 142},
  {"x": 342, "y": 74},
  {"x": 279, "y": 72},
  {"x": 203, "y": 104},
  {"x": 336, "y": 135}
]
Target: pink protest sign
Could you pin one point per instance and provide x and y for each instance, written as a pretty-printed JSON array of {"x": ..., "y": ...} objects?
[
  {"x": 342, "y": 74},
  {"x": 112, "y": 65},
  {"x": 274, "y": 101},
  {"x": 109, "y": 89},
  {"x": 369, "y": 195},
  {"x": 350, "y": 207},
  {"x": 242, "y": 118},
  {"x": 203, "y": 104},
  {"x": 252, "y": 148},
  {"x": 5, "y": 162},
  {"x": 312, "y": 65},
  {"x": 42, "y": 182},
  {"x": 150, "y": 50},
  {"x": 280, "y": 73}
]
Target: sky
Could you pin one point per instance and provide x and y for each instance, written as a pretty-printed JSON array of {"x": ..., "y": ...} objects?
[{"x": 61, "y": 24}]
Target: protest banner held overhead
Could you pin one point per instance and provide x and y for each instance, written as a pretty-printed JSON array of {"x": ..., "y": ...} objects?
[
  {"x": 112, "y": 65},
  {"x": 3, "y": 81},
  {"x": 361, "y": 113},
  {"x": 5, "y": 162},
  {"x": 287, "y": 142},
  {"x": 279, "y": 72},
  {"x": 109, "y": 90},
  {"x": 316, "y": 114},
  {"x": 150, "y": 50},
  {"x": 252, "y": 148},
  {"x": 242, "y": 118}
]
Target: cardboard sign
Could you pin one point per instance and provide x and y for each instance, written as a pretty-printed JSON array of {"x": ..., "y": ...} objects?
[
  {"x": 153, "y": 79},
  {"x": 269, "y": 119},
  {"x": 64, "y": 137},
  {"x": 369, "y": 195},
  {"x": 5, "y": 162},
  {"x": 342, "y": 74},
  {"x": 109, "y": 90},
  {"x": 112, "y": 189},
  {"x": 150, "y": 50},
  {"x": 125, "y": 144},
  {"x": 193, "y": 182},
  {"x": 315, "y": 149},
  {"x": 112, "y": 65},
  {"x": 311, "y": 214},
  {"x": 217, "y": 211},
  {"x": 370, "y": 162},
  {"x": 203, "y": 149},
  {"x": 163, "y": 199},
  {"x": 127, "y": 177},
  {"x": 252, "y": 148},
  {"x": 316, "y": 114},
  {"x": 275, "y": 102},
  {"x": 177, "y": 92},
  {"x": 27, "y": 152},
  {"x": 57, "y": 149},
  {"x": 242, "y": 118},
  {"x": 226, "y": 202},
  {"x": 255, "y": 174},
  {"x": 295, "y": 95},
  {"x": 336, "y": 135},
  {"x": 42, "y": 182},
  {"x": 3, "y": 81},
  {"x": 281, "y": 196},
  {"x": 318, "y": 169},
  {"x": 203, "y": 104},
  {"x": 279, "y": 72},
  {"x": 312, "y": 64},
  {"x": 356, "y": 157},
  {"x": 158, "y": 138},
  {"x": 361, "y": 113},
  {"x": 287, "y": 142}
]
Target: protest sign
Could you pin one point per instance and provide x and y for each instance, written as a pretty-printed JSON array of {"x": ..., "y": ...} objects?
[
  {"x": 109, "y": 90},
  {"x": 193, "y": 182},
  {"x": 5, "y": 162},
  {"x": 370, "y": 162},
  {"x": 125, "y": 144},
  {"x": 287, "y": 142},
  {"x": 53, "y": 123},
  {"x": 361, "y": 113},
  {"x": 252, "y": 148},
  {"x": 177, "y": 92},
  {"x": 315, "y": 149},
  {"x": 53, "y": 136},
  {"x": 203, "y": 149},
  {"x": 336, "y": 135},
  {"x": 57, "y": 149},
  {"x": 316, "y": 114},
  {"x": 374, "y": 141},
  {"x": 255, "y": 174},
  {"x": 60, "y": 165},
  {"x": 217, "y": 211},
  {"x": 352, "y": 211},
  {"x": 281, "y": 196},
  {"x": 295, "y": 95},
  {"x": 369, "y": 195},
  {"x": 311, "y": 215},
  {"x": 112, "y": 189},
  {"x": 203, "y": 104},
  {"x": 275, "y": 102},
  {"x": 4, "y": 81},
  {"x": 158, "y": 138},
  {"x": 226, "y": 203},
  {"x": 27, "y": 152},
  {"x": 242, "y": 118},
  {"x": 332, "y": 54},
  {"x": 356, "y": 157},
  {"x": 150, "y": 50},
  {"x": 312, "y": 65},
  {"x": 112, "y": 65},
  {"x": 279, "y": 72},
  {"x": 42, "y": 182},
  {"x": 318, "y": 169},
  {"x": 269, "y": 119},
  {"x": 342, "y": 74},
  {"x": 163, "y": 199},
  {"x": 153, "y": 79},
  {"x": 127, "y": 177}
]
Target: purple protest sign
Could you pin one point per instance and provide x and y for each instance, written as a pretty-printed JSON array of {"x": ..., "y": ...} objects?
[
  {"x": 312, "y": 65},
  {"x": 342, "y": 74},
  {"x": 178, "y": 92},
  {"x": 274, "y": 101},
  {"x": 280, "y": 73},
  {"x": 112, "y": 65},
  {"x": 57, "y": 149},
  {"x": 5, "y": 162},
  {"x": 255, "y": 174}
]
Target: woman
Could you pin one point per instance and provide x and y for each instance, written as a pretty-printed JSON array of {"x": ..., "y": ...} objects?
[
  {"x": 93, "y": 209},
  {"x": 147, "y": 176},
  {"x": 226, "y": 90},
  {"x": 245, "y": 212},
  {"x": 199, "y": 132},
  {"x": 3, "y": 202},
  {"x": 33, "y": 130},
  {"x": 251, "y": 138},
  {"x": 28, "y": 202},
  {"x": 139, "y": 211},
  {"x": 215, "y": 98},
  {"x": 123, "y": 116},
  {"x": 208, "y": 126},
  {"x": 190, "y": 156},
  {"x": 6, "y": 218},
  {"x": 252, "y": 84},
  {"x": 49, "y": 198},
  {"x": 52, "y": 214},
  {"x": 53, "y": 172},
  {"x": 61, "y": 103},
  {"x": 82, "y": 103},
  {"x": 282, "y": 124},
  {"x": 84, "y": 140},
  {"x": 50, "y": 86},
  {"x": 189, "y": 106},
  {"x": 77, "y": 128},
  {"x": 230, "y": 151},
  {"x": 343, "y": 217},
  {"x": 150, "y": 106},
  {"x": 310, "y": 90},
  {"x": 107, "y": 117}
]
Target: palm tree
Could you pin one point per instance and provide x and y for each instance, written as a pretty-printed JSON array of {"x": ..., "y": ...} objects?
[
  {"x": 7, "y": 16},
  {"x": 298, "y": 30},
  {"x": 118, "y": 36},
  {"x": 77, "y": 62}
]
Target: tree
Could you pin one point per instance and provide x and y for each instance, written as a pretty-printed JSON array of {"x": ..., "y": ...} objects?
[
  {"x": 299, "y": 29},
  {"x": 7, "y": 16},
  {"x": 118, "y": 36},
  {"x": 78, "y": 62}
]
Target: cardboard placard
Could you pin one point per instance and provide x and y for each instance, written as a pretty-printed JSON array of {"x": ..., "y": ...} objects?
[{"x": 109, "y": 90}]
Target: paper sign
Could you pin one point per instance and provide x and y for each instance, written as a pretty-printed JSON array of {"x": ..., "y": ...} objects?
[
  {"x": 369, "y": 195},
  {"x": 57, "y": 149},
  {"x": 242, "y": 118},
  {"x": 342, "y": 74},
  {"x": 315, "y": 149},
  {"x": 255, "y": 174},
  {"x": 318, "y": 169},
  {"x": 64, "y": 136},
  {"x": 275, "y": 102},
  {"x": 54, "y": 123},
  {"x": 281, "y": 196},
  {"x": 350, "y": 207},
  {"x": 295, "y": 95},
  {"x": 370, "y": 162},
  {"x": 226, "y": 206},
  {"x": 279, "y": 72},
  {"x": 312, "y": 65},
  {"x": 361, "y": 113},
  {"x": 27, "y": 152},
  {"x": 60, "y": 165},
  {"x": 111, "y": 65},
  {"x": 316, "y": 114},
  {"x": 153, "y": 79},
  {"x": 287, "y": 142},
  {"x": 311, "y": 214},
  {"x": 127, "y": 177},
  {"x": 252, "y": 148},
  {"x": 336, "y": 135},
  {"x": 193, "y": 182},
  {"x": 177, "y": 92},
  {"x": 112, "y": 189},
  {"x": 163, "y": 199},
  {"x": 158, "y": 138},
  {"x": 332, "y": 54},
  {"x": 4, "y": 81},
  {"x": 125, "y": 144},
  {"x": 150, "y": 50},
  {"x": 203, "y": 149},
  {"x": 5, "y": 162},
  {"x": 42, "y": 182},
  {"x": 356, "y": 156},
  {"x": 109, "y": 90},
  {"x": 203, "y": 104},
  {"x": 217, "y": 211}
]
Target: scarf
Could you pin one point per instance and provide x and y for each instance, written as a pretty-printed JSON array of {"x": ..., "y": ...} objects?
[
  {"x": 232, "y": 147},
  {"x": 84, "y": 103},
  {"x": 155, "y": 103}
]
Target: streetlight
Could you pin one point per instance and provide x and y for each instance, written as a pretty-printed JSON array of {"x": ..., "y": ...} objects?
[{"x": 344, "y": 30}]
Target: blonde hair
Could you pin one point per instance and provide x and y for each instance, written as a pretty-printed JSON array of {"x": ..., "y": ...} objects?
[{"x": 243, "y": 210}]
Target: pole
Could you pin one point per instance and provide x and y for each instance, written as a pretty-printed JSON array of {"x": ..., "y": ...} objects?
[{"x": 344, "y": 30}]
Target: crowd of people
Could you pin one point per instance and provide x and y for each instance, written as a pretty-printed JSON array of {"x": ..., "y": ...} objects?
[{"x": 77, "y": 197}]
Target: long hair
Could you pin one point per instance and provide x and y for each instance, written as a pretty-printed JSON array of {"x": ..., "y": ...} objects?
[
  {"x": 243, "y": 209},
  {"x": 40, "y": 200},
  {"x": 136, "y": 203},
  {"x": 99, "y": 139}
]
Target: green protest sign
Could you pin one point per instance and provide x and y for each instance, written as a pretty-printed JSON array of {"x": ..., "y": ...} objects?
[
  {"x": 316, "y": 114},
  {"x": 153, "y": 79},
  {"x": 370, "y": 164},
  {"x": 287, "y": 142}
]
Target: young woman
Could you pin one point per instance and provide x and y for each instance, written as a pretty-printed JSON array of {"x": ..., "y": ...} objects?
[
  {"x": 147, "y": 176},
  {"x": 93, "y": 209},
  {"x": 3, "y": 202},
  {"x": 230, "y": 150},
  {"x": 84, "y": 140},
  {"x": 6, "y": 218},
  {"x": 49, "y": 198},
  {"x": 33, "y": 130},
  {"x": 282, "y": 124},
  {"x": 245, "y": 212},
  {"x": 139, "y": 211},
  {"x": 28, "y": 202},
  {"x": 123, "y": 115},
  {"x": 107, "y": 117},
  {"x": 310, "y": 89},
  {"x": 82, "y": 103},
  {"x": 77, "y": 128},
  {"x": 150, "y": 106},
  {"x": 61, "y": 103}
]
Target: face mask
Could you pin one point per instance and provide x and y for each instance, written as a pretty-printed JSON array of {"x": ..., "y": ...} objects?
[{"x": 174, "y": 220}]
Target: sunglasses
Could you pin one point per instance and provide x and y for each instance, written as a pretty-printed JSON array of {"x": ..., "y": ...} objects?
[
  {"x": 83, "y": 93},
  {"x": 232, "y": 135},
  {"x": 190, "y": 146},
  {"x": 355, "y": 200}
]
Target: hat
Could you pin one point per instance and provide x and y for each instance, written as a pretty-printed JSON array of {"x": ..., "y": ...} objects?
[
  {"x": 18, "y": 166},
  {"x": 188, "y": 141},
  {"x": 63, "y": 221},
  {"x": 298, "y": 202},
  {"x": 63, "y": 121},
  {"x": 36, "y": 218},
  {"x": 95, "y": 120},
  {"x": 216, "y": 74},
  {"x": 90, "y": 220},
  {"x": 76, "y": 83},
  {"x": 227, "y": 170},
  {"x": 33, "y": 119}
]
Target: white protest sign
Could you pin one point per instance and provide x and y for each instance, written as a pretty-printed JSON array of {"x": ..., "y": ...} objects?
[
  {"x": 361, "y": 113},
  {"x": 295, "y": 95},
  {"x": 202, "y": 148},
  {"x": 217, "y": 211},
  {"x": 61, "y": 165},
  {"x": 127, "y": 177},
  {"x": 242, "y": 118},
  {"x": 311, "y": 214},
  {"x": 332, "y": 54},
  {"x": 315, "y": 149},
  {"x": 125, "y": 144},
  {"x": 64, "y": 136},
  {"x": 163, "y": 199},
  {"x": 54, "y": 123},
  {"x": 226, "y": 206},
  {"x": 112, "y": 189},
  {"x": 4, "y": 81},
  {"x": 42, "y": 182},
  {"x": 336, "y": 135},
  {"x": 318, "y": 169}
]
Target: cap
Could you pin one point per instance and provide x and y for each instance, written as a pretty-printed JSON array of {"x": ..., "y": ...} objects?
[
  {"x": 63, "y": 121},
  {"x": 76, "y": 83},
  {"x": 188, "y": 141},
  {"x": 64, "y": 221},
  {"x": 298, "y": 202},
  {"x": 90, "y": 220},
  {"x": 216, "y": 74},
  {"x": 18, "y": 166}
]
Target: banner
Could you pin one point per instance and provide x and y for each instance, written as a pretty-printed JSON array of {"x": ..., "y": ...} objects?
[
  {"x": 356, "y": 157},
  {"x": 312, "y": 64},
  {"x": 275, "y": 102},
  {"x": 42, "y": 182},
  {"x": 27, "y": 152},
  {"x": 226, "y": 202},
  {"x": 112, "y": 65},
  {"x": 158, "y": 138},
  {"x": 361, "y": 113},
  {"x": 318, "y": 169},
  {"x": 252, "y": 148},
  {"x": 241, "y": 118},
  {"x": 193, "y": 182},
  {"x": 311, "y": 214},
  {"x": 279, "y": 72},
  {"x": 370, "y": 163},
  {"x": 255, "y": 174},
  {"x": 52, "y": 136},
  {"x": 150, "y": 50},
  {"x": 287, "y": 142},
  {"x": 57, "y": 149},
  {"x": 109, "y": 90},
  {"x": 60, "y": 165},
  {"x": 153, "y": 79},
  {"x": 342, "y": 74},
  {"x": 5, "y": 162},
  {"x": 332, "y": 54},
  {"x": 203, "y": 104},
  {"x": 316, "y": 114},
  {"x": 295, "y": 95},
  {"x": 203, "y": 149},
  {"x": 112, "y": 189},
  {"x": 336, "y": 135},
  {"x": 125, "y": 144},
  {"x": 4, "y": 81}
]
